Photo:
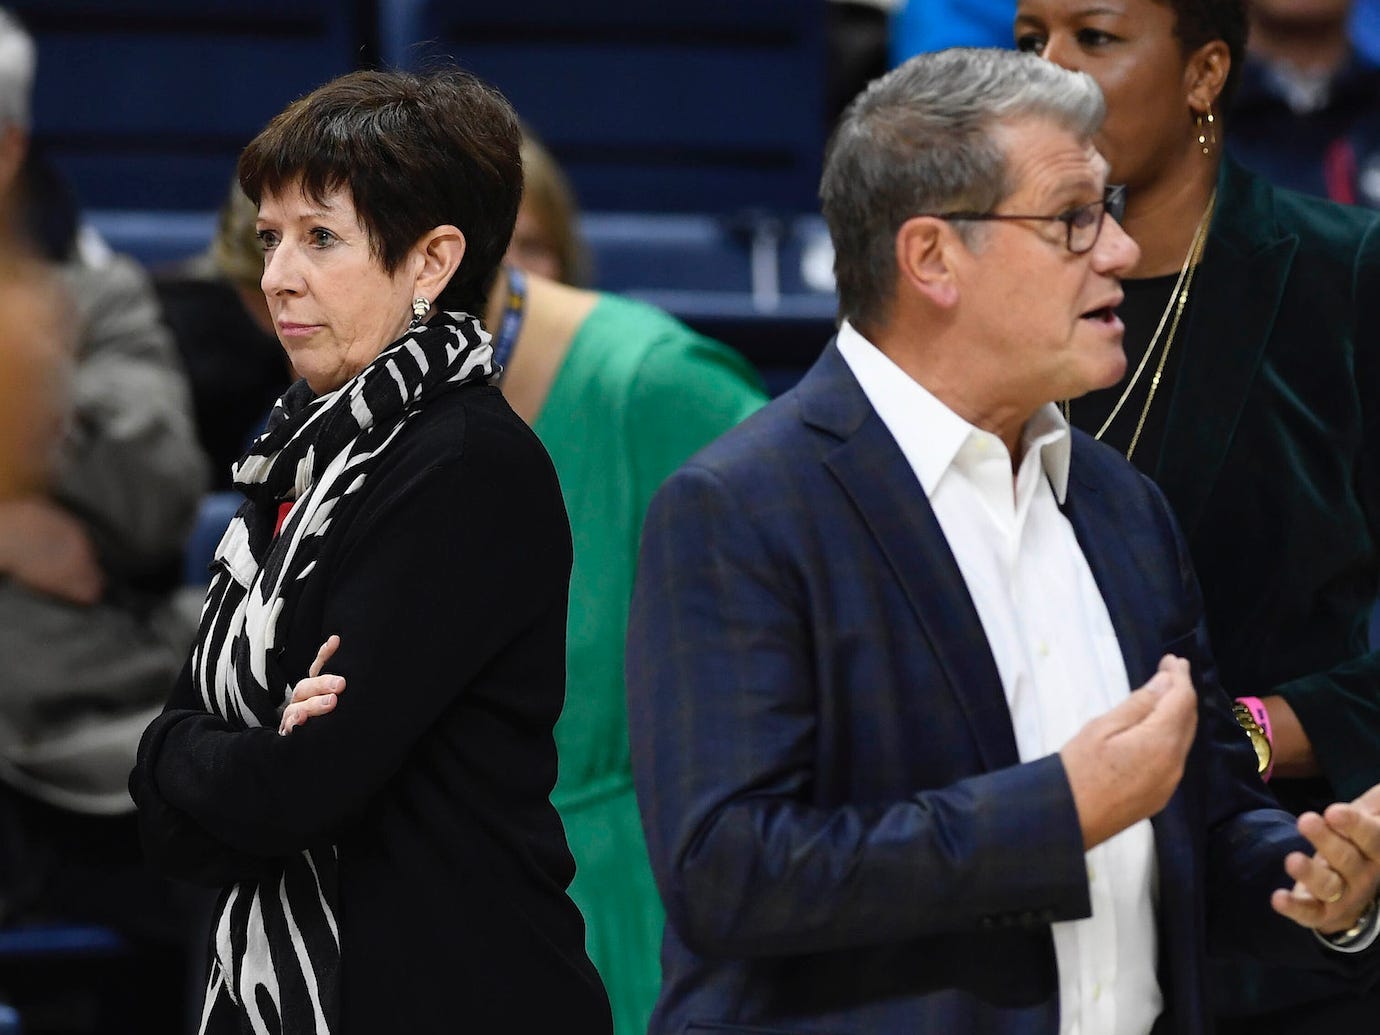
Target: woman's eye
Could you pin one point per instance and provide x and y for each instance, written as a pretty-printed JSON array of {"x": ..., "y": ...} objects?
[
  {"x": 1029, "y": 43},
  {"x": 267, "y": 239},
  {"x": 321, "y": 238},
  {"x": 1094, "y": 38}
]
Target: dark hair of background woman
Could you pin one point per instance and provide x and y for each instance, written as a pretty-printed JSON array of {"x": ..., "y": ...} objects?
[
  {"x": 428, "y": 150},
  {"x": 1201, "y": 21}
]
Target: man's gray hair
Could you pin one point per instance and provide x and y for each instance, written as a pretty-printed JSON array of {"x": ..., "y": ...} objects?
[
  {"x": 18, "y": 59},
  {"x": 923, "y": 138}
]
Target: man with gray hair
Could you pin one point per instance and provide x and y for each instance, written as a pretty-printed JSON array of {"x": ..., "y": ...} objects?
[{"x": 926, "y": 731}]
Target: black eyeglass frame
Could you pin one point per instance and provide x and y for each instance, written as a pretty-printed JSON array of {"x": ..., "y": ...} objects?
[{"x": 1112, "y": 203}]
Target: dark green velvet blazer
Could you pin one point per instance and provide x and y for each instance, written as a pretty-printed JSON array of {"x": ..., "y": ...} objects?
[{"x": 1271, "y": 461}]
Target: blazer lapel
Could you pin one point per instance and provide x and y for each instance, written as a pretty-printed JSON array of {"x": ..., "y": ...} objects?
[
  {"x": 870, "y": 467},
  {"x": 1100, "y": 536},
  {"x": 1237, "y": 295}
]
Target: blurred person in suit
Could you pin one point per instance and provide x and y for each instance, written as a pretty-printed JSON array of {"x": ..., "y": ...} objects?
[
  {"x": 1307, "y": 115},
  {"x": 927, "y": 733}
]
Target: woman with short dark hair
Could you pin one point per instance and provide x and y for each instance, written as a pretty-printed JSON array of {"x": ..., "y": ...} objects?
[
  {"x": 399, "y": 575},
  {"x": 1252, "y": 397}
]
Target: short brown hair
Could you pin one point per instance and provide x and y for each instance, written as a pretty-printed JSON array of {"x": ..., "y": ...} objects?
[
  {"x": 415, "y": 152},
  {"x": 1201, "y": 21}
]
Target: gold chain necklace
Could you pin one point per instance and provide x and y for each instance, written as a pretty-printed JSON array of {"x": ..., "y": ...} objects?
[{"x": 1178, "y": 301}]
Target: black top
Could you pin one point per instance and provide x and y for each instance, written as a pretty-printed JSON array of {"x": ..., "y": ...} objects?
[
  {"x": 1145, "y": 304},
  {"x": 446, "y": 578}
]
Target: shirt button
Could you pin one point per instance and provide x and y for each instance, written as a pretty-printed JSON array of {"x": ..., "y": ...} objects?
[
  {"x": 1097, "y": 991},
  {"x": 1092, "y": 874},
  {"x": 1042, "y": 648}
]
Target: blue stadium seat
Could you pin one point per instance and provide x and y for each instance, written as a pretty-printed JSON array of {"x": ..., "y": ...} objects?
[
  {"x": 715, "y": 105},
  {"x": 212, "y": 519},
  {"x": 57, "y": 941},
  {"x": 147, "y": 103},
  {"x": 760, "y": 283},
  {"x": 155, "y": 238}
]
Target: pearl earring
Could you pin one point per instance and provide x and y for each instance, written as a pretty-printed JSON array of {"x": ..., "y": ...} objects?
[{"x": 420, "y": 307}]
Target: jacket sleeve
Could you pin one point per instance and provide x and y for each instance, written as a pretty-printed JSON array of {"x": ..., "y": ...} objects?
[
  {"x": 723, "y": 706},
  {"x": 173, "y": 842},
  {"x": 426, "y": 591},
  {"x": 132, "y": 467},
  {"x": 1339, "y": 707}
]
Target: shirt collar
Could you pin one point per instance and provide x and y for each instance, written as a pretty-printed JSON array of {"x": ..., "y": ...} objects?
[{"x": 929, "y": 433}]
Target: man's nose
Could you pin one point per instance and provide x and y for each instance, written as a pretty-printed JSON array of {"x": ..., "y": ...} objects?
[{"x": 1116, "y": 253}]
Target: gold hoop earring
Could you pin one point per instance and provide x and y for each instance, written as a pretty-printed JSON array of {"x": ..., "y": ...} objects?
[{"x": 1207, "y": 132}]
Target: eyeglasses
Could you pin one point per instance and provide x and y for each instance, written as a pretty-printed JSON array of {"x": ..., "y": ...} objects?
[{"x": 1082, "y": 225}]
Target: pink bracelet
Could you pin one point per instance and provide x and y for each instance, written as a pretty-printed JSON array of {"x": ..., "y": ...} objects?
[{"x": 1261, "y": 715}]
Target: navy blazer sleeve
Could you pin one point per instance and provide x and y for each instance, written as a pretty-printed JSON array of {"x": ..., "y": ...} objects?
[{"x": 724, "y": 703}]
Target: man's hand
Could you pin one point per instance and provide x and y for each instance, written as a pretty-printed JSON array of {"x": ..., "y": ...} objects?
[
  {"x": 1339, "y": 882},
  {"x": 1124, "y": 766},
  {"x": 48, "y": 550},
  {"x": 316, "y": 694}
]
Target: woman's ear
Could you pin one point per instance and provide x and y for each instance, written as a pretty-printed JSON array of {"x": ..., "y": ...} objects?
[
  {"x": 1206, "y": 74},
  {"x": 439, "y": 251}
]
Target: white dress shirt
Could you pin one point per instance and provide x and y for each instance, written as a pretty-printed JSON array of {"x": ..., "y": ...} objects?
[{"x": 1055, "y": 649}]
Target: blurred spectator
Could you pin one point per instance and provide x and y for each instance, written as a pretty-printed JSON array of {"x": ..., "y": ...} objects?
[
  {"x": 621, "y": 394},
  {"x": 92, "y": 628},
  {"x": 1365, "y": 29},
  {"x": 923, "y": 25},
  {"x": 1308, "y": 113},
  {"x": 216, "y": 310},
  {"x": 546, "y": 240},
  {"x": 859, "y": 34},
  {"x": 35, "y": 374}
]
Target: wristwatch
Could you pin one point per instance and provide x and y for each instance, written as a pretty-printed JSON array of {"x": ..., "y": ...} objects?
[
  {"x": 1252, "y": 717},
  {"x": 1346, "y": 939}
]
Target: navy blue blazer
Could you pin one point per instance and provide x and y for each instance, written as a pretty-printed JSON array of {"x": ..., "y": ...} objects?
[{"x": 839, "y": 824}]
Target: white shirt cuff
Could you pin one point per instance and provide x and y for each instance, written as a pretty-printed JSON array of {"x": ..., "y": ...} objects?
[{"x": 1361, "y": 942}]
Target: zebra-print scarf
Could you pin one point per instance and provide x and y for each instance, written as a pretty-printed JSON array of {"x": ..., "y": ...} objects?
[{"x": 276, "y": 957}]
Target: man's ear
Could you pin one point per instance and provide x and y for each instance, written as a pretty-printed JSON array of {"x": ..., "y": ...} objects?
[
  {"x": 1205, "y": 74},
  {"x": 925, "y": 250},
  {"x": 439, "y": 250}
]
